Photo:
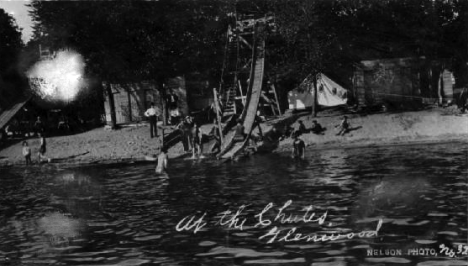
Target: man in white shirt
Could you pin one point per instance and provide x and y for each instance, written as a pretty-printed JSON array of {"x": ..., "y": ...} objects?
[{"x": 152, "y": 113}]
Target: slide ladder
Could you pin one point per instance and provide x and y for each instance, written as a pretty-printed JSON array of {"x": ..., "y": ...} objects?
[
  {"x": 254, "y": 94},
  {"x": 229, "y": 76}
]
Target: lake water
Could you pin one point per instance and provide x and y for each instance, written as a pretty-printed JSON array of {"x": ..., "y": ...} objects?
[{"x": 126, "y": 215}]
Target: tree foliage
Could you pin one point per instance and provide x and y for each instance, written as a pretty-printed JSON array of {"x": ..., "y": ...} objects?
[
  {"x": 126, "y": 41},
  {"x": 333, "y": 35},
  {"x": 155, "y": 40},
  {"x": 135, "y": 39},
  {"x": 10, "y": 49}
]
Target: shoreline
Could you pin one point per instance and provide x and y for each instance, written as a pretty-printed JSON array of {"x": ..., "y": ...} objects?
[
  {"x": 132, "y": 145},
  {"x": 337, "y": 146},
  {"x": 284, "y": 148}
]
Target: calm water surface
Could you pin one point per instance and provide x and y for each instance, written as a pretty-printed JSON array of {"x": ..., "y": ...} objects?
[{"x": 126, "y": 215}]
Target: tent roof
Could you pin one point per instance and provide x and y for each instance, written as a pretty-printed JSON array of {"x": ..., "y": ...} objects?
[
  {"x": 325, "y": 77},
  {"x": 12, "y": 110}
]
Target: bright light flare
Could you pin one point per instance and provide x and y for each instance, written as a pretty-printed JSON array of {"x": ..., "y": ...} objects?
[{"x": 59, "y": 78}]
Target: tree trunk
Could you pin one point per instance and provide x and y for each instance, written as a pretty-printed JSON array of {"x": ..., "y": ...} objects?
[
  {"x": 440, "y": 87},
  {"x": 314, "y": 104},
  {"x": 162, "y": 94},
  {"x": 110, "y": 95}
]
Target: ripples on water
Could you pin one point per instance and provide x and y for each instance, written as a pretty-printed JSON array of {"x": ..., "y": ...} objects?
[{"x": 125, "y": 215}]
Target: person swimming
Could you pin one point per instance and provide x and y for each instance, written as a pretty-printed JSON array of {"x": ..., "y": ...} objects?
[{"x": 162, "y": 161}]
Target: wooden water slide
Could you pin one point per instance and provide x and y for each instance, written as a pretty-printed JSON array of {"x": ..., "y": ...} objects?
[{"x": 253, "y": 97}]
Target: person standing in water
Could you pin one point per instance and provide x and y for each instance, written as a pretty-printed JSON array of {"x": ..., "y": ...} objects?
[
  {"x": 162, "y": 161},
  {"x": 298, "y": 147},
  {"x": 42, "y": 148},
  {"x": 189, "y": 123},
  {"x": 197, "y": 141},
  {"x": 239, "y": 134},
  {"x": 27, "y": 153}
]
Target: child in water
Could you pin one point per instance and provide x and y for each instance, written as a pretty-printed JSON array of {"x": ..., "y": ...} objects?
[
  {"x": 27, "y": 152},
  {"x": 162, "y": 161},
  {"x": 298, "y": 147}
]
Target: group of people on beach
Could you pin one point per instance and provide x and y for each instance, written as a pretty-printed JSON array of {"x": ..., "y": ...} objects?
[
  {"x": 298, "y": 150},
  {"x": 153, "y": 113},
  {"x": 39, "y": 131},
  {"x": 192, "y": 136},
  {"x": 26, "y": 150},
  {"x": 191, "y": 139}
]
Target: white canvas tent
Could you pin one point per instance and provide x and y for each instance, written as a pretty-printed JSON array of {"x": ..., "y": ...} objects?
[{"x": 329, "y": 92}]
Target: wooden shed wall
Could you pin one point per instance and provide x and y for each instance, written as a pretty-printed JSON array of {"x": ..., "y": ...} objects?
[
  {"x": 132, "y": 100},
  {"x": 401, "y": 81}
]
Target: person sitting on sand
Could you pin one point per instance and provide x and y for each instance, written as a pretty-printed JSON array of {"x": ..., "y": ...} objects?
[
  {"x": 273, "y": 136},
  {"x": 239, "y": 135},
  {"x": 302, "y": 129},
  {"x": 316, "y": 127},
  {"x": 27, "y": 153},
  {"x": 162, "y": 161},
  {"x": 343, "y": 127},
  {"x": 288, "y": 131},
  {"x": 298, "y": 147}
]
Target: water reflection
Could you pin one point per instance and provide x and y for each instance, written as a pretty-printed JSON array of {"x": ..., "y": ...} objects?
[
  {"x": 60, "y": 229},
  {"x": 108, "y": 215}
]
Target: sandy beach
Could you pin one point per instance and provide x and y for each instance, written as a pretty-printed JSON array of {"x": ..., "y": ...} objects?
[
  {"x": 428, "y": 126},
  {"x": 132, "y": 143},
  {"x": 94, "y": 146}
]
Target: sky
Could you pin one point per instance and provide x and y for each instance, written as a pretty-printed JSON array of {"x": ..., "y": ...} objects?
[{"x": 19, "y": 10}]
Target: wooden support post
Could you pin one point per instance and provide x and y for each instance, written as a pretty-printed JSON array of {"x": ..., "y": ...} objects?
[
  {"x": 276, "y": 98},
  {"x": 440, "y": 87},
  {"x": 218, "y": 117},
  {"x": 241, "y": 94},
  {"x": 269, "y": 102},
  {"x": 430, "y": 84},
  {"x": 244, "y": 41},
  {"x": 314, "y": 104},
  {"x": 162, "y": 136}
]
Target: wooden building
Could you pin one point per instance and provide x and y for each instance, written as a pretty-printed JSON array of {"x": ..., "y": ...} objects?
[
  {"x": 133, "y": 99},
  {"x": 199, "y": 94},
  {"x": 402, "y": 81}
]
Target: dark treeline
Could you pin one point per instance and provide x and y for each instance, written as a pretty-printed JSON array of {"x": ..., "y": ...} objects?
[
  {"x": 11, "y": 80},
  {"x": 155, "y": 40}
]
